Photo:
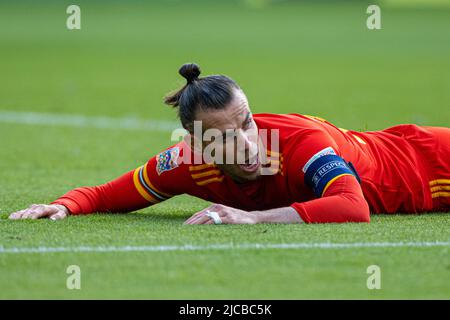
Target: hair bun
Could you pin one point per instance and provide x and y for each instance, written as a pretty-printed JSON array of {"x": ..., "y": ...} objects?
[{"x": 190, "y": 71}]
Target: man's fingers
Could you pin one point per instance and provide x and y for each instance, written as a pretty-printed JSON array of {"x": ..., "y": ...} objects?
[
  {"x": 34, "y": 212},
  {"x": 197, "y": 215},
  {"x": 201, "y": 220},
  {"x": 226, "y": 214},
  {"x": 42, "y": 211},
  {"x": 205, "y": 219},
  {"x": 16, "y": 215},
  {"x": 201, "y": 217},
  {"x": 58, "y": 216},
  {"x": 27, "y": 213},
  {"x": 223, "y": 217},
  {"x": 38, "y": 211}
]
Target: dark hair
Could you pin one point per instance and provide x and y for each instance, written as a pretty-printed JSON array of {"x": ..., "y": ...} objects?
[{"x": 210, "y": 92}]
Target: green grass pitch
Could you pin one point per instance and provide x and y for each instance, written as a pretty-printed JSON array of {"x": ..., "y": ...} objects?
[{"x": 308, "y": 58}]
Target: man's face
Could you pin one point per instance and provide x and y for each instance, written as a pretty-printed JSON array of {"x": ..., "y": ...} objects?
[{"x": 235, "y": 141}]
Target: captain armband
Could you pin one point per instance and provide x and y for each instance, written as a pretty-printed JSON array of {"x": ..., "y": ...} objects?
[{"x": 323, "y": 170}]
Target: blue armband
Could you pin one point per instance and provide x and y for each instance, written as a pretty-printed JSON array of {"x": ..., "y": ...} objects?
[{"x": 324, "y": 170}]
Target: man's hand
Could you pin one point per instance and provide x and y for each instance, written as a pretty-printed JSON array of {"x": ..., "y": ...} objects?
[
  {"x": 36, "y": 211},
  {"x": 228, "y": 215}
]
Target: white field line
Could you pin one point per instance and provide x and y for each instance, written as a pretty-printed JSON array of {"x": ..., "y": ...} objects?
[
  {"x": 66, "y": 120},
  {"x": 229, "y": 246}
]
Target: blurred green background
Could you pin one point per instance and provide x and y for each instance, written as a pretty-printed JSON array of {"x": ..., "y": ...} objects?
[{"x": 313, "y": 57}]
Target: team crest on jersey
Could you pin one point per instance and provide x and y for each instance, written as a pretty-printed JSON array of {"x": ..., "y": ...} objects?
[
  {"x": 167, "y": 160},
  {"x": 321, "y": 153}
]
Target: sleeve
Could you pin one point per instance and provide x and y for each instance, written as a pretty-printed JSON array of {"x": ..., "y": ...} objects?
[
  {"x": 317, "y": 165},
  {"x": 342, "y": 202},
  {"x": 132, "y": 191}
]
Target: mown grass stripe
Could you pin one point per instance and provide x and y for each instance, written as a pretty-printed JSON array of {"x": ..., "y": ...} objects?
[
  {"x": 101, "y": 122},
  {"x": 226, "y": 246}
]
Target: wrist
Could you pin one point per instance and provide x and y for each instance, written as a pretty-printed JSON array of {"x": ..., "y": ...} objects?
[
  {"x": 63, "y": 208},
  {"x": 257, "y": 216},
  {"x": 277, "y": 215}
]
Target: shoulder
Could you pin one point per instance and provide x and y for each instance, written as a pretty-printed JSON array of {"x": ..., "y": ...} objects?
[
  {"x": 169, "y": 169},
  {"x": 300, "y": 137},
  {"x": 298, "y": 134},
  {"x": 178, "y": 168},
  {"x": 170, "y": 158},
  {"x": 292, "y": 121}
]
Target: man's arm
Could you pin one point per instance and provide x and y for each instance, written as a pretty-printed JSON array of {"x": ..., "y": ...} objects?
[
  {"x": 124, "y": 194},
  {"x": 119, "y": 195},
  {"x": 134, "y": 190},
  {"x": 229, "y": 215},
  {"x": 36, "y": 211},
  {"x": 343, "y": 201}
]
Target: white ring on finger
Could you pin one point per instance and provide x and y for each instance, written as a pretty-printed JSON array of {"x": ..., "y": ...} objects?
[{"x": 215, "y": 216}]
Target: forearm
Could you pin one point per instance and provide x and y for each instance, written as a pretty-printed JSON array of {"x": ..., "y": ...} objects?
[
  {"x": 119, "y": 195},
  {"x": 343, "y": 202},
  {"x": 278, "y": 215},
  {"x": 334, "y": 209}
]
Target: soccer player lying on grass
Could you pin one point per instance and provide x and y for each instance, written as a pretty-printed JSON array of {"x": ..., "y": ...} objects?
[{"x": 311, "y": 171}]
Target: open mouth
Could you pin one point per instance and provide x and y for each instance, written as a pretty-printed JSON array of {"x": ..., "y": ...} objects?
[{"x": 250, "y": 166}]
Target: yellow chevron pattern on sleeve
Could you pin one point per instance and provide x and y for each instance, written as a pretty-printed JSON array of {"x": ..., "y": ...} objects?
[
  {"x": 440, "y": 188},
  {"x": 141, "y": 189},
  {"x": 205, "y": 174},
  {"x": 148, "y": 182}
]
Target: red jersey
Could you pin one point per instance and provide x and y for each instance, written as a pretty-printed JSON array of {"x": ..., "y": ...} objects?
[{"x": 393, "y": 170}]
